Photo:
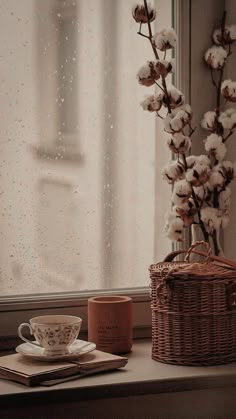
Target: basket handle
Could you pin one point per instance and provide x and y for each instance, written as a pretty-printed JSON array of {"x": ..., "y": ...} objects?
[
  {"x": 199, "y": 243},
  {"x": 170, "y": 257},
  {"x": 230, "y": 263},
  {"x": 188, "y": 252}
]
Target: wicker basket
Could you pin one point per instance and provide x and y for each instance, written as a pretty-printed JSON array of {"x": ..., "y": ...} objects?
[{"x": 194, "y": 310}]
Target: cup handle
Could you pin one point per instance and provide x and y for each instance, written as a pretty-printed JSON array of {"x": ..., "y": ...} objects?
[{"x": 22, "y": 325}]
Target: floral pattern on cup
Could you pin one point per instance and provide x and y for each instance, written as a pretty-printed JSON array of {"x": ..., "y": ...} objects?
[{"x": 56, "y": 335}]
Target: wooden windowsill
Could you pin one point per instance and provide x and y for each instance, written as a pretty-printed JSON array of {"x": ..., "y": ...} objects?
[{"x": 141, "y": 376}]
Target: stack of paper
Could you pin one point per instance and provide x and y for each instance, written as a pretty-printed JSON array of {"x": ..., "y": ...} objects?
[{"x": 31, "y": 372}]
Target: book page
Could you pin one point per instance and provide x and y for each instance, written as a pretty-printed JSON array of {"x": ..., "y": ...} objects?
[{"x": 22, "y": 365}]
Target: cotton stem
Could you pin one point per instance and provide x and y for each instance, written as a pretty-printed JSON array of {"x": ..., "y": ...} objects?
[
  {"x": 215, "y": 244},
  {"x": 157, "y": 57}
]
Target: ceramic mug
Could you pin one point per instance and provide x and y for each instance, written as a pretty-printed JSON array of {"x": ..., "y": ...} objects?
[{"x": 54, "y": 333}]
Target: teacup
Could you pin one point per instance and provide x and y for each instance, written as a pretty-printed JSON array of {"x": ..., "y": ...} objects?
[{"x": 53, "y": 333}]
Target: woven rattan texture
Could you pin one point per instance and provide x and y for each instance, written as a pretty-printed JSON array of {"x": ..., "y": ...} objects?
[{"x": 193, "y": 313}]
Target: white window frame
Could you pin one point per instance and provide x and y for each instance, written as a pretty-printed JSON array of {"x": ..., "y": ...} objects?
[{"x": 14, "y": 310}]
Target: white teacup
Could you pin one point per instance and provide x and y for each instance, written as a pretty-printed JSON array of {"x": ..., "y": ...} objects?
[{"x": 53, "y": 333}]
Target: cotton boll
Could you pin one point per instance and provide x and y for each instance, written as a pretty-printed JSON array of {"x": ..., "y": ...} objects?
[
  {"x": 220, "y": 152},
  {"x": 199, "y": 192},
  {"x": 228, "y": 170},
  {"x": 175, "y": 121},
  {"x": 187, "y": 213},
  {"x": 228, "y": 165},
  {"x": 229, "y": 35},
  {"x": 224, "y": 221},
  {"x": 209, "y": 121},
  {"x": 191, "y": 160},
  {"x": 180, "y": 119},
  {"x": 176, "y": 98},
  {"x": 226, "y": 121},
  {"x": 225, "y": 84},
  {"x": 228, "y": 90},
  {"x": 203, "y": 192},
  {"x": 172, "y": 124},
  {"x": 211, "y": 218},
  {"x": 165, "y": 67},
  {"x": 184, "y": 207},
  {"x": 215, "y": 57},
  {"x": 177, "y": 124},
  {"x": 179, "y": 143},
  {"x": 165, "y": 39},
  {"x": 174, "y": 227},
  {"x": 217, "y": 36},
  {"x": 172, "y": 172},
  {"x": 139, "y": 13},
  {"x": 152, "y": 103},
  {"x": 182, "y": 192},
  {"x": 148, "y": 73},
  {"x": 212, "y": 142},
  {"x": 181, "y": 114},
  {"x": 203, "y": 159},
  {"x": 185, "y": 109},
  {"x": 215, "y": 146},
  {"x": 232, "y": 32},
  {"x": 198, "y": 175},
  {"x": 225, "y": 198},
  {"x": 175, "y": 234},
  {"x": 233, "y": 118},
  {"x": 230, "y": 111},
  {"x": 216, "y": 178},
  {"x": 167, "y": 124}
]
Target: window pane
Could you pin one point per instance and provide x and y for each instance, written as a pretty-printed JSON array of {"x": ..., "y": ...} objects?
[{"x": 82, "y": 200}]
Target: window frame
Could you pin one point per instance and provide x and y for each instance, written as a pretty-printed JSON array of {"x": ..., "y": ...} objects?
[{"x": 17, "y": 309}]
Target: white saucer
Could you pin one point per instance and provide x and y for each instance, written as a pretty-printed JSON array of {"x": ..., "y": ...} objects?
[{"x": 77, "y": 349}]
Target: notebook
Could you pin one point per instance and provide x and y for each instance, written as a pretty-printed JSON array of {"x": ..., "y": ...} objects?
[{"x": 30, "y": 372}]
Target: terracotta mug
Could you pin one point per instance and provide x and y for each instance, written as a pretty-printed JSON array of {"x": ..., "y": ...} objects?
[{"x": 110, "y": 323}]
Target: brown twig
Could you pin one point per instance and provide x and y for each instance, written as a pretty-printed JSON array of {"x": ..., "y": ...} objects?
[
  {"x": 150, "y": 31},
  {"x": 160, "y": 87},
  {"x": 229, "y": 135},
  {"x": 215, "y": 243},
  {"x": 191, "y": 130},
  {"x": 212, "y": 79},
  {"x": 142, "y": 34}
]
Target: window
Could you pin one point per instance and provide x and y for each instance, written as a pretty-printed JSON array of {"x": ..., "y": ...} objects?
[{"x": 82, "y": 205}]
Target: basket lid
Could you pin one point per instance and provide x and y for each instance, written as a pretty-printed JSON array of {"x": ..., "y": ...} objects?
[{"x": 211, "y": 268}]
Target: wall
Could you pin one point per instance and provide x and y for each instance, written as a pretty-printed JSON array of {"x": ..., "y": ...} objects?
[
  {"x": 230, "y": 232},
  {"x": 202, "y": 90}
]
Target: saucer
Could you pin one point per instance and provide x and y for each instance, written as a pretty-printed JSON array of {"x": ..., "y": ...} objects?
[{"x": 76, "y": 350}]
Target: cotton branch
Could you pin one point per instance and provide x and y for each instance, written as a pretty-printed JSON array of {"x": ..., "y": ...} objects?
[
  {"x": 157, "y": 58},
  {"x": 199, "y": 182}
]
